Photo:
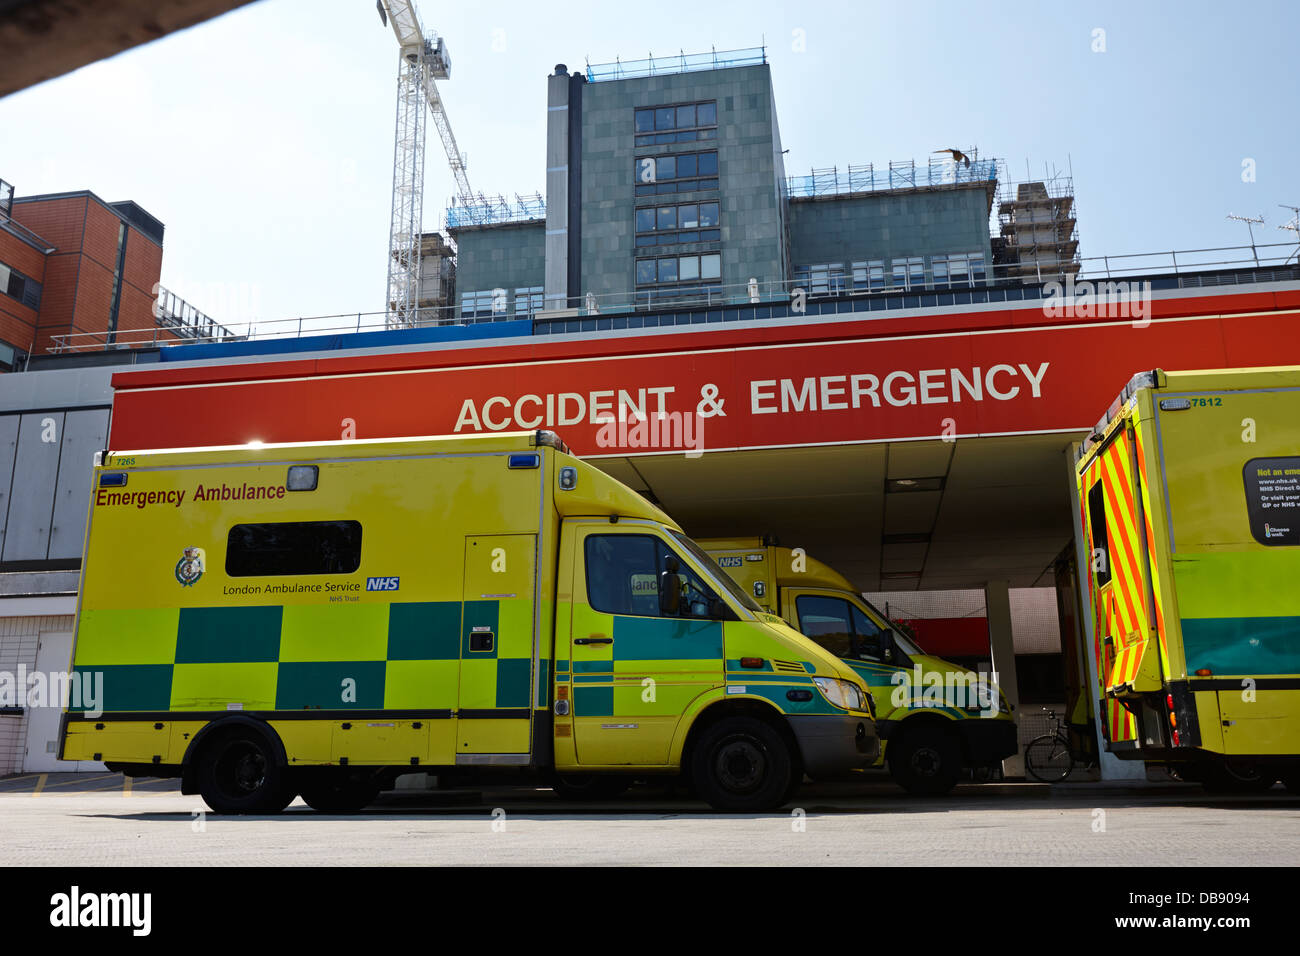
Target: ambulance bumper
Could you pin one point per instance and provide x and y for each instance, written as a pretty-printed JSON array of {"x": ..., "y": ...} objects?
[{"x": 834, "y": 745}]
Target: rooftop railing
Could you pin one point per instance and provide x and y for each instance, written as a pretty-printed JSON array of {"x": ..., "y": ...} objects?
[
  {"x": 1192, "y": 268},
  {"x": 682, "y": 63},
  {"x": 495, "y": 211},
  {"x": 900, "y": 175}
]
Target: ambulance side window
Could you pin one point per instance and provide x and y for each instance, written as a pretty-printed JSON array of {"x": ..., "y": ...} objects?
[
  {"x": 293, "y": 547},
  {"x": 622, "y": 574},
  {"x": 826, "y": 621},
  {"x": 1097, "y": 523},
  {"x": 624, "y": 571},
  {"x": 866, "y": 634}
]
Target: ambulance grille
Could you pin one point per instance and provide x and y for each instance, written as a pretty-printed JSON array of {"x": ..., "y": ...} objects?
[{"x": 787, "y": 666}]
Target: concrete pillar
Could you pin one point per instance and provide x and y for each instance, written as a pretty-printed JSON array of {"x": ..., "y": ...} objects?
[
  {"x": 1112, "y": 768},
  {"x": 997, "y": 610},
  {"x": 556, "y": 285}
]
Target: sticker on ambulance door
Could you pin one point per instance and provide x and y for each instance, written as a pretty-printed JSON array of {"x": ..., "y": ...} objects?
[{"x": 1273, "y": 500}]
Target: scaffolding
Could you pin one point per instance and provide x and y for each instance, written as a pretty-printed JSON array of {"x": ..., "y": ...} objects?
[
  {"x": 437, "y": 276},
  {"x": 1038, "y": 230},
  {"x": 905, "y": 174},
  {"x": 496, "y": 211},
  {"x": 682, "y": 63}
]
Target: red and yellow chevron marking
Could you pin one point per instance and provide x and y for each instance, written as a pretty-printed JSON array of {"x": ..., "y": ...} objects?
[
  {"x": 1151, "y": 551},
  {"x": 1121, "y": 606}
]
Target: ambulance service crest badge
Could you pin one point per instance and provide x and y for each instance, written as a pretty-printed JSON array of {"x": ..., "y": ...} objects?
[{"x": 190, "y": 567}]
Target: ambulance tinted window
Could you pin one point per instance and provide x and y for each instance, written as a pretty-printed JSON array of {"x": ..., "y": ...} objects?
[
  {"x": 293, "y": 547},
  {"x": 623, "y": 574},
  {"x": 826, "y": 621},
  {"x": 1097, "y": 523}
]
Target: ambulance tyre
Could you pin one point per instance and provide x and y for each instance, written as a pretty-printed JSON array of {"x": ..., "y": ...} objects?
[
  {"x": 926, "y": 762},
  {"x": 238, "y": 773},
  {"x": 743, "y": 763}
]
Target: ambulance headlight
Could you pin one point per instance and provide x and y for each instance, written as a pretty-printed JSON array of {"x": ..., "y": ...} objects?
[{"x": 841, "y": 693}]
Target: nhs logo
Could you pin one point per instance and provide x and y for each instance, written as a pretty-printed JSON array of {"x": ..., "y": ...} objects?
[{"x": 383, "y": 584}]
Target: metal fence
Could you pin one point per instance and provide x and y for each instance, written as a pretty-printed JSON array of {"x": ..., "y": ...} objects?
[
  {"x": 899, "y": 175},
  {"x": 681, "y": 63}
]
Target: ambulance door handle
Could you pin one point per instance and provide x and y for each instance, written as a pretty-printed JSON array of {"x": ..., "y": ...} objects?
[{"x": 594, "y": 639}]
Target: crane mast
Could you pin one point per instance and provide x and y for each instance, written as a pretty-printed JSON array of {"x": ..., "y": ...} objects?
[{"x": 421, "y": 61}]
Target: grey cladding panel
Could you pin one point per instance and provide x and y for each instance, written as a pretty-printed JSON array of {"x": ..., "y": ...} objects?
[
  {"x": 8, "y": 448},
  {"x": 31, "y": 500},
  {"x": 84, "y": 433}
]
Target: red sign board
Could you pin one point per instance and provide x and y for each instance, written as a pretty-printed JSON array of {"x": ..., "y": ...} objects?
[{"x": 1059, "y": 377}]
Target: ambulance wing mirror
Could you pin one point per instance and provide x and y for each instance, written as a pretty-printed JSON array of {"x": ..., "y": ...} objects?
[{"x": 670, "y": 587}]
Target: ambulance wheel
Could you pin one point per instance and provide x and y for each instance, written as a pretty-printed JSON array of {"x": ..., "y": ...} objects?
[
  {"x": 742, "y": 763},
  {"x": 335, "y": 793},
  {"x": 926, "y": 762},
  {"x": 239, "y": 773},
  {"x": 588, "y": 786}
]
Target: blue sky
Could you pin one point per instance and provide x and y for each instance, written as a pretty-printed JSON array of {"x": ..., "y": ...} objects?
[{"x": 263, "y": 139}]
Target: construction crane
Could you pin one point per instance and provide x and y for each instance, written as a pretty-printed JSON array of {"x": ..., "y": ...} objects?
[{"x": 422, "y": 60}]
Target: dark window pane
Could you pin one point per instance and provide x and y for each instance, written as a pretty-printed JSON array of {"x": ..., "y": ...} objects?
[
  {"x": 667, "y": 217},
  {"x": 622, "y": 574},
  {"x": 648, "y": 240},
  {"x": 686, "y": 165},
  {"x": 293, "y": 547},
  {"x": 664, "y": 117},
  {"x": 688, "y": 237},
  {"x": 826, "y": 621},
  {"x": 665, "y": 168},
  {"x": 866, "y": 634},
  {"x": 711, "y": 133},
  {"x": 645, "y": 190},
  {"x": 686, "y": 137},
  {"x": 665, "y": 137},
  {"x": 645, "y": 271},
  {"x": 708, "y": 164},
  {"x": 645, "y": 220},
  {"x": 710, "y": 235},
  {"x": 706, "y": 114},
  {"x": 645, "y": 121},
  {"x": 708, "y": 214},
  {"x": 685, "y": 117},
  {"x": 667, "y": 270}
]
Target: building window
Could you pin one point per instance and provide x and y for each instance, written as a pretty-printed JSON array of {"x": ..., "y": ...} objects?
[
  {"x": 939, "y": 269},
  {"x": 661, "y": 225},
  {"x": 909, "y": 273},
  {"x": 475, "y": 305},
  {"x": 964, "y": 269},
  {"x": 686, "y": 123},
  {"x": 528, "y": 301},
  {"x": 679, "y": 173},
  {"x": 13, "y": 283},
  {"x": 293, "y": 547},
  {"x": 826, "y": 278},
  {"x": 674, "y": 269}
]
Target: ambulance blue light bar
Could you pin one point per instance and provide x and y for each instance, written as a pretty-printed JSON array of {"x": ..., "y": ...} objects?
[
  {"x": 112, "y": 479},
  {"x": 528, "y": 460}
]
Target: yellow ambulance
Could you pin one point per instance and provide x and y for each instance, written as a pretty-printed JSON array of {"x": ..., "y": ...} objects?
[
  {"x": 933, "y": 717},
  {"x": 1189, "y": 491},
  {"x": 317, "y": 619}
]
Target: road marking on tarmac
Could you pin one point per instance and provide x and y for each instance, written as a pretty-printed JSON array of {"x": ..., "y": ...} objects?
[{"x": 40, "y": 784}]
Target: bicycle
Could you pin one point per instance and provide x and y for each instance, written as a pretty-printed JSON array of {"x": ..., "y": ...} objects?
[{"x": 1049, "y": 758}]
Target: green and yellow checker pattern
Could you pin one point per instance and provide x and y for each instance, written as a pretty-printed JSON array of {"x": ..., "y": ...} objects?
[{"x": 389, "y": 656}]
